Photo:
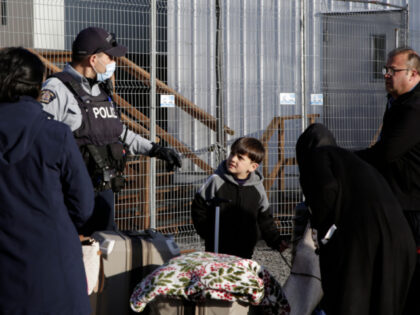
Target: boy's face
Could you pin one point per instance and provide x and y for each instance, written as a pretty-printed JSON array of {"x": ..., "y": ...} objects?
[{"x": 240, "y": 165}]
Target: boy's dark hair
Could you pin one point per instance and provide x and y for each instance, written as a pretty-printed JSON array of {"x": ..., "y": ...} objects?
[
  {"x": 251, "y": 147},
  {"x": 21, "y": 73}
]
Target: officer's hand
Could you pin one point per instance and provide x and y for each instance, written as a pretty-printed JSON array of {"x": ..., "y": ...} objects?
[{"x": 167, "y": 154}]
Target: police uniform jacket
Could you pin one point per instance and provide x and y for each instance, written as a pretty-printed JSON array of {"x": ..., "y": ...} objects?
[
  {"x": 397, "y": 153},
  {"x": 60, "y": 102},
  {"x": 45, "y": 195},
  {"x": 244, "y": 213}
]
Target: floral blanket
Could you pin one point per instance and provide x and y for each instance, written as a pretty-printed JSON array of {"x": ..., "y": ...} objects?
[{"x": 199, "y": 276}]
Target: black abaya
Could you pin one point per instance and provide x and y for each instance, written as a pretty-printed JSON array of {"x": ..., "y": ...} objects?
[{"x": 367, "y": 264}]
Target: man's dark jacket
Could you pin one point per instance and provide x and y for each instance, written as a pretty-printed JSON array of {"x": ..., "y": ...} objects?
[
  {"x": 397, "y": 153},
  {"x": 244, "y": 213}
]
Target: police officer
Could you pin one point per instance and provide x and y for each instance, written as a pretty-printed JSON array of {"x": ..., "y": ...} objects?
[{"x": 80, "y": 96}]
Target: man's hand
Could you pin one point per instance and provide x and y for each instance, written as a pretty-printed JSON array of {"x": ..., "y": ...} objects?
[{"x": 167, "y": 154}]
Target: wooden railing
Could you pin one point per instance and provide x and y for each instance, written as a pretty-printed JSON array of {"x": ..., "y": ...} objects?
[
  {"x": 140, "y": 123},
  {"x": 182, "y": 102},
  {"x": 277, "y": 125},
  {"x": 140, "y": 74}
]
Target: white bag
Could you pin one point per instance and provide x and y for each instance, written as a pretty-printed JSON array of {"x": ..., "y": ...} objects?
[{"x": 92, "y": 262}]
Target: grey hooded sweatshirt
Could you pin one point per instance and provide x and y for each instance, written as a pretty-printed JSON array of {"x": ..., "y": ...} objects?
[{"x": 244, "y": 213}]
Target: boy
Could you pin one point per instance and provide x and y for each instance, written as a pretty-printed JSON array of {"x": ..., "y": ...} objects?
[{"x": 237, "y": 187}]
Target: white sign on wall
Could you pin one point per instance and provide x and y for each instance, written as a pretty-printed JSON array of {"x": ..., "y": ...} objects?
[
  {"x": 287, "y": 98},
  {"x": 167, "y": 100},
  {"x": 317, "y": 99}
]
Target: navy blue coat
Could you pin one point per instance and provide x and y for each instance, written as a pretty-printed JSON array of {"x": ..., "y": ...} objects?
[{"x": 45, "y": 195}]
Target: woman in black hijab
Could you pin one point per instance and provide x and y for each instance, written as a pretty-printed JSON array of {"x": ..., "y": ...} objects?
[{"x": 366, "y": 250}]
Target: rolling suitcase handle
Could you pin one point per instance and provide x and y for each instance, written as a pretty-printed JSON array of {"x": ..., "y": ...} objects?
[
  {"x": 217, "y": 202},
  {"x": 216, "y": 229}
]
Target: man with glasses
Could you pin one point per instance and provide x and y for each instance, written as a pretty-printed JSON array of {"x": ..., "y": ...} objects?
[
  {"x": 81, "y": 97},
  {"x": 397, "y": 152}
]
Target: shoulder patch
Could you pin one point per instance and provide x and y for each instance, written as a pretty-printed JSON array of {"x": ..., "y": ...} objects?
[{"x": 47, "y": 96}]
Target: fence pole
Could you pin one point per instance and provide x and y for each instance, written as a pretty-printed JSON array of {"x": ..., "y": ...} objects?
[
  {"x": 152, "y": 177},
  {"x": 406, "y": 26},
  {"x": 220, "y": 137},
  {"x": 302, "y": 21}
]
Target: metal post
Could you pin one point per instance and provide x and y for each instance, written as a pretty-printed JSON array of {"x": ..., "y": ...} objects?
[
  {"x": 402, "y": 40},
  {"x": 152, "y": 177},
  {"x": 397, "y": 37},
  {"x": 303, "y": 62},
  {"x": 220, "y": 136},
  {"x": 406, "y": 16}
]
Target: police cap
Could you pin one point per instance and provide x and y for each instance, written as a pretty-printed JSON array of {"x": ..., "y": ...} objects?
[{"x": 93, "y": 40}]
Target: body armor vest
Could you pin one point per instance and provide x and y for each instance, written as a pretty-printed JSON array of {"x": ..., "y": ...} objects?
[
  {"x": 100, "y": 119},
  {"x": 98, "y": 136}
]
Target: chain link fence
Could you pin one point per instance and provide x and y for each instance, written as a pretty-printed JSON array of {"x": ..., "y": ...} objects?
[{"x": 200, "y": 74}]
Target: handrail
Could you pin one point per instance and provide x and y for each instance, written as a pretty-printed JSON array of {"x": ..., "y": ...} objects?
[
  {"x": 140, "y": 74},
  {"x": 181, "y": 101},
  {"x": 277, "y": 124},
  {"x": 163, "y": 134},
  {"x": 142, "y": 118}
]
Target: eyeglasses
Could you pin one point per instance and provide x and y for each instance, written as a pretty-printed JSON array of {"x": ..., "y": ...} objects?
[{"x": 391, "y": 71}]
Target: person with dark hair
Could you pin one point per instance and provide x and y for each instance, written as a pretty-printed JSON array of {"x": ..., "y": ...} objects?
[
  {"x": 46, "y": 195},
  {"x": 397, "y": 152},
  {"x": 237, "y": 187},
  {"x": 366, "y": 250},
  {"x": 81, "y": 97}
]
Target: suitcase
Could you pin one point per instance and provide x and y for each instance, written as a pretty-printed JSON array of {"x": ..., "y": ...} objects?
[{"x": 127, "y": 258}]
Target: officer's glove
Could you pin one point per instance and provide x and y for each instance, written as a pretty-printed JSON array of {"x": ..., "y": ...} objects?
[{"x": 167, "y": 154}]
